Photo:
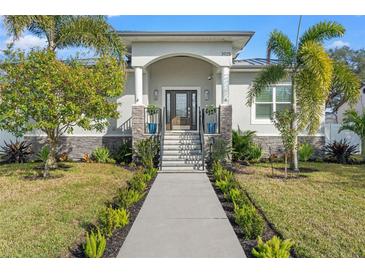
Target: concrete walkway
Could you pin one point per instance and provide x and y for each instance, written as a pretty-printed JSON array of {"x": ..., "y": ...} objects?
[{"x": 181, "y": 217}]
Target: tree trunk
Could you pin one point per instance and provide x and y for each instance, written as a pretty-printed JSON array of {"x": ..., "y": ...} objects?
[
  {"x": 51, "y": 162},
  {"x": 294, "y": 126},
  {"x": 286, "y": 165}
]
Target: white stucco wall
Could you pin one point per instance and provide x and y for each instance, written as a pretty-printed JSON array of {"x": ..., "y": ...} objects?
[
  {"x": 144, "y": 54},
  {"x": 181, "y": 72},
  {"x": 240, "y": 83},
  {"x": 358, "y": 107}
]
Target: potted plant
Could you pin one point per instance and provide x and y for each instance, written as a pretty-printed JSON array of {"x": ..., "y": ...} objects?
[
  {"x": 152, "y": 110},
  {"x": 212, "y": 126}
]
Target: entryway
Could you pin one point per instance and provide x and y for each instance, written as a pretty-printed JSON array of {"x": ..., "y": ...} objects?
[{"x": 181, "y": 109}]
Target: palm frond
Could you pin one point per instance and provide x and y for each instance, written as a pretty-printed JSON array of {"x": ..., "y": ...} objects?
[
  {"x": 345, "y": 85},
  {"x": 16, "y": 25},
  {"x": 268, "y": 76},
  {"x": 321, "y": 32},
  {"x": 90, "y": 31},
  {"x": 354, "y": 122},
  {"x": 313, "y": 83},
  {"x": 281, "y": 46}
]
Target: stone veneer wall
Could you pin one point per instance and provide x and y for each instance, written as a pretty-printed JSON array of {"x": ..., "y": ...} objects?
[
  {"x": 137, "y": 123},
  {"x": 76, "y": 146},
  {"x": 277, "y": 146}
]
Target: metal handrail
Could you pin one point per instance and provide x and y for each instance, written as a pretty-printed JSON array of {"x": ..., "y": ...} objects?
[
  {"x": 162, "y": 133},
  {"x": 201, "y": 130}
]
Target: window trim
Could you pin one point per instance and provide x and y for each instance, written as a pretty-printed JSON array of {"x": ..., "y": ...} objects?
[{"x": 255, "y": 121}]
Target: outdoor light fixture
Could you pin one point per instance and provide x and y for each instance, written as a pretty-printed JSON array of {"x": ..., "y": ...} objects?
[
  {"x": 155, "y": 94},
  {"x": 206, "y": 94},
  {"x": 210, "y": 77}
]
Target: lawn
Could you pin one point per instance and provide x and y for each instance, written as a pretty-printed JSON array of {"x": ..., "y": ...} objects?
[
  {"x": 323, "y": 211},
  {"x": 43, "y": 218}
]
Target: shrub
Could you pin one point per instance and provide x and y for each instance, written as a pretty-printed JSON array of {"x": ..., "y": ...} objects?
[
  {"x": 110, "y": 219},
  {"x": 222, "y": 174},
  {"x": 138, "y": 181},
  {"x": 95, "y": 245},
  {"x": 305, "y": 152},
  {"x": 128, "y": 197},
  {"x": 42, "y": 156},
  {"x": 224, "y": 186},
  {"x": 244, "y": 148},
  {"x": 220, "y": 150},
  {"x": 238, "y": 198},
  {"x": 341, "y": 152},
  {"x": 274, "y": 248},
  {"x": 63, "y": 157},
  {"x": 16, "y": 152},
  {"x": 147, "y": 151},
  {"x": 152, "y": 109},
  {"x": 86, "y": 158},
  {"x": 101, "y": 155},
  {"x": 124, "y": 153},
  {"x": 251, "y": 223}
]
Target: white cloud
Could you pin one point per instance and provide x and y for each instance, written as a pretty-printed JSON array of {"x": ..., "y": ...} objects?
[
  {"x": 338, "y": 44},
  {"x": 28, "y": 41}
]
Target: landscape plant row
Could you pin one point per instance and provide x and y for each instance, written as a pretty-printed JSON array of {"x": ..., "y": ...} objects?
[
  {"x": 247, "y": 217},
  {"x": 116, "y": 215}
]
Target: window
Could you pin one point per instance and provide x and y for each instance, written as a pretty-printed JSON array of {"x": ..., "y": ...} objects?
[{"x": 272, "y": 99}]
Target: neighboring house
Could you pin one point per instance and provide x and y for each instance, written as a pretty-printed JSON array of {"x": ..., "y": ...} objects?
[
  {"x": 334, "y": 120},
  {"x": 183, "y": 73},
  {"x": 359, "y": 106}
]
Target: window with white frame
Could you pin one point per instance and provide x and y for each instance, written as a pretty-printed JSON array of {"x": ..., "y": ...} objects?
[{"x": 272, "y": 99}]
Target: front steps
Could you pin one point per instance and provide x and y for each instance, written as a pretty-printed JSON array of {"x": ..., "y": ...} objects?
[{"x": 182, "y": 152}]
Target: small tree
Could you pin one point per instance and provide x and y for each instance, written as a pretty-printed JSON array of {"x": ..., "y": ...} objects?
[
  {"x": 39, "y": 92},
  {"x": 283, "y": 121},
  {"x": 356, "y": 123},
  {"x": 312, "y": 74}
]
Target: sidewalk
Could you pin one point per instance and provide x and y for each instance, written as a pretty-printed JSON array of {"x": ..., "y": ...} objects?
[{"x": 181, "y": 217}]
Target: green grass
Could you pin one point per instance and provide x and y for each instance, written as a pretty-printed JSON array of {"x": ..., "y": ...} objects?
[
  {"x": 43, "y": 218},
  {"x": 323, "y": 211}
]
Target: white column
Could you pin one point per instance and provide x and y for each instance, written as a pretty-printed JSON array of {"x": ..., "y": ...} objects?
[
  {"x": 225, "y": 85},
  {"x": 138, "y": 84}
]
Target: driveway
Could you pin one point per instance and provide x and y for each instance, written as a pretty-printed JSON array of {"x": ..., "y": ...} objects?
[{"x": 181, "y": 218}]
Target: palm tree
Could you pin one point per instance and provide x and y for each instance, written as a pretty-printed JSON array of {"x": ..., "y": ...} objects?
[
  {"x": 64, "y": 31},
  {"x": 356, "y": 123},
  {"x": 310, "y": 70}
]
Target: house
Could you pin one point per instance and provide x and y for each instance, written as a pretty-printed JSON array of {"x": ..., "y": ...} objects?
[
  {"x": 334, "y": 121},
  {"x": 359, "y": 106},
  {"x": 200, "y": 89}
]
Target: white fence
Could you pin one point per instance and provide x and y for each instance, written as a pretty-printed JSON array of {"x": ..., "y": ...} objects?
[{"x": 331, "y": 133}]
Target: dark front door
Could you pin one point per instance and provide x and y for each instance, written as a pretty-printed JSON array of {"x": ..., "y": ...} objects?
[{"x": 181, "y": 110}]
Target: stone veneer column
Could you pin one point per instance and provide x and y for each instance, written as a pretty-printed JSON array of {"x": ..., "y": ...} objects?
[
  {"x": 137, "y": 123},
  {"x": 225, "y": 123}
]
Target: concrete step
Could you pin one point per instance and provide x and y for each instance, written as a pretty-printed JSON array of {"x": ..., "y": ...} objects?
[
  {"x": 181, "y": 142},
  {"x": 178, "y": 137},
  {"x": 181, "y": 169},
  {"x": 181, "y": 163},
  {"x": 196, "y": 157},
  {"x": 181, "y": 147},
  {"x": 192, "y": 152}
]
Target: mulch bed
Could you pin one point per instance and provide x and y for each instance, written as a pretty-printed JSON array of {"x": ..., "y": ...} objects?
[
  {"x": 115, "y": 242},
  {"x": 247, "y": 245}
]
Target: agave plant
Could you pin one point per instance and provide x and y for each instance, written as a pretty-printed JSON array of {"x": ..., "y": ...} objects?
[{"x": 16, "y": 152}]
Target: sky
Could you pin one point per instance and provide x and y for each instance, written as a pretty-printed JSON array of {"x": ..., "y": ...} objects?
[{"x": 261, "y": 25}]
